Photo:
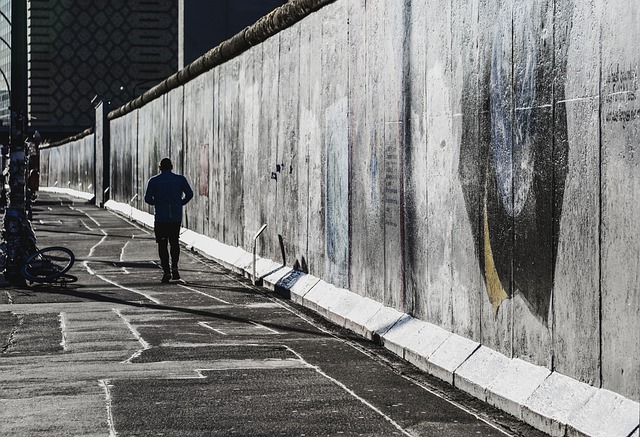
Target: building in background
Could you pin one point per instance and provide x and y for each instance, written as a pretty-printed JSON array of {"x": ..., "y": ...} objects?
[
  {"x": 209, "y": 22},
  {"x": 5, "y": 60},
  {"x": 112, "y": 49}
]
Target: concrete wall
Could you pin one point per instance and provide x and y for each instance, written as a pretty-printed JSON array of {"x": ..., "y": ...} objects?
[
  {"x": 471, "y": 163},
  {"x": 69, "y": 164}
]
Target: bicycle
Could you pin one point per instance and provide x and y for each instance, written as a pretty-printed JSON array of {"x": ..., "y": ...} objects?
[{"x": 49, "y": 265}]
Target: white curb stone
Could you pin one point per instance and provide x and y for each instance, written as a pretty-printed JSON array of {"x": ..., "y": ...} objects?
[
  {"x": 239, "y": 264},
  {"x": 424, "y": 344},
  {"x": 188, "y": 237},
  {"x": 265, "y": 267},
  {"x": 454, "y": 351},
  {"x": 69, "y": 191},
  {"x": 245, "y": 262},
  {"x": 271, "y": 280},
  {"x": 514, "y": 386},
  {"x": 554, "y": 402},
  {"x": 302, "y": 285},
  {"x": 345, "y": 303},
  {"x": 318, "y": 298},
  {"x": 382, "y": 321},
  {"x": 356, "y": 320},
  {"x": 606, "y": 414},
  {"x": 479, "y": 371},
  {"x": 143, "y": 217},
  {"x": 403, "y": 334}
]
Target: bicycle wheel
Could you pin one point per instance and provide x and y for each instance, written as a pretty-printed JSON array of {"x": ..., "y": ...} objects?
[{"x": 48, "y": 264}]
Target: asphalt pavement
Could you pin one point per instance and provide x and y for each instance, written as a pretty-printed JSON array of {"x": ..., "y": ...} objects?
[{"x": 117, "y": 353}]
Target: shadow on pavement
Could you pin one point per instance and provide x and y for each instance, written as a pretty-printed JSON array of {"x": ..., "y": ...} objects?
[{"x": 68, "y": 291}]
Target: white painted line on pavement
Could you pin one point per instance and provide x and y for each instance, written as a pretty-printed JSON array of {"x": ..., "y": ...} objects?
[
  {"x": 136, "y": 334},
  {"x": 206, "y": 325},
  {"x": 427, "y": 389},
  {"x": 370, "y": 355},
  {"x": 92, "y": 272},
  {"x": 273, "y": 331},
  {"x": 85, "y": 264},
  {"x": 63, "y": 329},
  {"x": 105, "y": 384},
  {"x": 85, "y": 225},
  {"x": 133, "y": 290},
  {"x": 90, "y": 218},
  {"x": 93, "y": 248},
  {"x": 351, "y": 392},
  {"x": 205, "y": 294},
  {"x": 122, "y": 251},
  {"x": 124, "y": 269}
]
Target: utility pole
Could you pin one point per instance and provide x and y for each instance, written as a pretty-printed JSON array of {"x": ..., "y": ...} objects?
[{"x": 17, "y": 234}]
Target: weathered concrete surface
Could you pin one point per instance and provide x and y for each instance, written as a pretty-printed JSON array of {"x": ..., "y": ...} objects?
[
  {"x": 557, "y": 400},
  {"x": 470, "y": 165},
  {"x": 549, "y": 401},
  {"x": 620, "y": 185},
  {"x": 70, "y": 165},
  {"x": 119, "y": 353}
]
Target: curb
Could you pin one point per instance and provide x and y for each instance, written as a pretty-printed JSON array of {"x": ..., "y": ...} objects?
[{"x": 549, "y": 401}]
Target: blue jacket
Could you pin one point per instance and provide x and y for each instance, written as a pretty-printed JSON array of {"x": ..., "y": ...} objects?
[{"x": 168, "y": 192}]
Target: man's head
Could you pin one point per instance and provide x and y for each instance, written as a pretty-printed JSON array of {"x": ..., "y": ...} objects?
[{"x": 166, "y": 164}]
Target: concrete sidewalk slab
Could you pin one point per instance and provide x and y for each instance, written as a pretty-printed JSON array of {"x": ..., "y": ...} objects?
[
  {"x": 556, "y": 400},
  {"x": 606, "y": 414},
  {"x": 515, "y": 385},
  {"x": 479, "y": 371}
]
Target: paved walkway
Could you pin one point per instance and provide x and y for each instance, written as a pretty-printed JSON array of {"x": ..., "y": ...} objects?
[{"x": 119, "y": 353}]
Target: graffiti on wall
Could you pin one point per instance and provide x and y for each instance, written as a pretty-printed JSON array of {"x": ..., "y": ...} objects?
[
  {"x": 512, "y": 171},
  {"x": 621, "y": 94}
]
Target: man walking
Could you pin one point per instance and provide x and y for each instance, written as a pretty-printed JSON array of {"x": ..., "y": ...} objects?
[{"x": 168, "y": 192}]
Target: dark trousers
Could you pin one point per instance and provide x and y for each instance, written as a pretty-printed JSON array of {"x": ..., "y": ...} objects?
[{"x": 168, "y": 233}]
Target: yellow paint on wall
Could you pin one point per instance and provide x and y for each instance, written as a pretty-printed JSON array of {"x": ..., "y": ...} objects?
[{"x": 494, "y": 287}]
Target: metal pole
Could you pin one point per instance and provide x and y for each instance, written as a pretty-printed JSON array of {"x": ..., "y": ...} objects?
[
  {"x": 255, "y": 243},
  {"x": 17, "y": 234}
]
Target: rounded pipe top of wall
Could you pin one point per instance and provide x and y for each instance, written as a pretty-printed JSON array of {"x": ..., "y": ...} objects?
[{"x": 279, "y": 19}]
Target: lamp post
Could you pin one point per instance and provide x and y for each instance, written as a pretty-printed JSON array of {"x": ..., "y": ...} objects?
[{"x": 17, "y": 234}]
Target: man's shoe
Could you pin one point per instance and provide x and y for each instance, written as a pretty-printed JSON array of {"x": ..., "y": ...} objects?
[
  {"x": 174, "y": 274},
  {"x": 166, "y": 277}
]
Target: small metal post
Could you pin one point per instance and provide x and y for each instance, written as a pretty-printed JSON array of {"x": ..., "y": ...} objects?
[
  {"x": 255, "y": 239},
  {"x": 131, "y": 206}
]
